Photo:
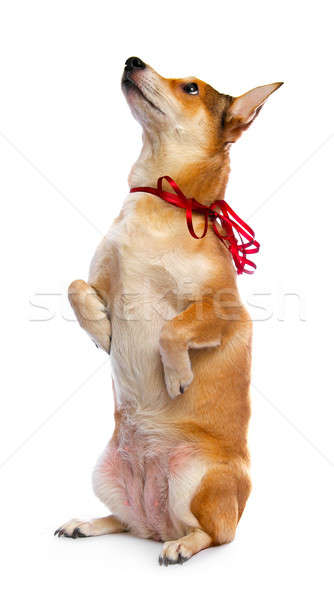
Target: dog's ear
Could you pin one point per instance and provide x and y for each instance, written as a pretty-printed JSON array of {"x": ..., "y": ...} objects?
[{"x": 243, "y": 110}]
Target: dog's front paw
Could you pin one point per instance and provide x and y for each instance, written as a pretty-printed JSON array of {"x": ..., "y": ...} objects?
[
  {"x": 176, "y": 363},
  {"x": 177, "y": 380}
]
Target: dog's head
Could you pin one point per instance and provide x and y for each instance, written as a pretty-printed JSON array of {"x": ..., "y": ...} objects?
[{"x": 188, "y": 110}]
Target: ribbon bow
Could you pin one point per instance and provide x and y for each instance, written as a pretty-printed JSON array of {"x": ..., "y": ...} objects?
[{"x": 218, "y": 211}]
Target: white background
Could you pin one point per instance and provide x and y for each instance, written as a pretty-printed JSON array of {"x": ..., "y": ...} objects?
[{"x": 67, "y": 142}]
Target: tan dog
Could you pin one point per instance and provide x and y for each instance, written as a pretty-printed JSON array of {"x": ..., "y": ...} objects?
[{"x": 176, "y": 468}]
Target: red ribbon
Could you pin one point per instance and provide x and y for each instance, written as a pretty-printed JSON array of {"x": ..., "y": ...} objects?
[{"x": 226, "y": 217}]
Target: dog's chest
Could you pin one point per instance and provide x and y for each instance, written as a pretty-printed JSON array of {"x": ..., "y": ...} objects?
[
  {"x": 157, "y": 263},
  {"x": 153, "y": 277}
]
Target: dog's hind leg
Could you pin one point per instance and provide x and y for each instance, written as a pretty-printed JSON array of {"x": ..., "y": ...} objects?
[
  {"x": 220, "y": 500},
  {"x": 217, "y": 505},
  {"x": 91, "y": 312},
  {"x": 76, "y": 528},
  {"x": 178, "y": 551}
]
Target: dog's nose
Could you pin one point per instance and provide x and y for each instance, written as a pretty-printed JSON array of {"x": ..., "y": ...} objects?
[{"x": 134, "y": 63}]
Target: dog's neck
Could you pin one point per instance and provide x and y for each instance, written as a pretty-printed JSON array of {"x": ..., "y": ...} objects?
[{"x": 199, "y": 176}]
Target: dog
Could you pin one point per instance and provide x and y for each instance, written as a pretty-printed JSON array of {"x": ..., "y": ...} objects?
[{"x": 165, "y": 306}]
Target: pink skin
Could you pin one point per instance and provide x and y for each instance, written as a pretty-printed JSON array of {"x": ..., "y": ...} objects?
[{"x": 140, "y": 477}]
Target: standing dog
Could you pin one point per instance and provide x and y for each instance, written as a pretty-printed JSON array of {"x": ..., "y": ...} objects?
[{"x": 166, "y": 308}]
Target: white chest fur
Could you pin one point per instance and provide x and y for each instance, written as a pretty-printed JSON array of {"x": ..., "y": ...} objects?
[{"x": 154, "y": 275}]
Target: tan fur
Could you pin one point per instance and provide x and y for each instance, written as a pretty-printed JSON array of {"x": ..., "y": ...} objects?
[
  {"x": 91, "y": 312},
  {"x": 181, "y": 339},
  {"x": 103, "y": 526}
]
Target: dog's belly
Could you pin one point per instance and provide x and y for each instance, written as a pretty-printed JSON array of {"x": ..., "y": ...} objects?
[
  {"x": 146, "y": 479},
  {"x": 148, "y": 485}
]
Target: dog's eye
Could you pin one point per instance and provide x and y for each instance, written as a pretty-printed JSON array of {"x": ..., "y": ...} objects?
[{"x": 191, "y": 88}]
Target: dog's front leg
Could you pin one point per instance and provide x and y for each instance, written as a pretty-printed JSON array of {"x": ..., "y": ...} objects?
[
  {"x": 91, "y": 312},
  {"x": 201, "y": 325}
]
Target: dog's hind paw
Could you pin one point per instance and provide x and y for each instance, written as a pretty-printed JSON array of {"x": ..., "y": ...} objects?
[
  {"x": 174, "y": 553},
  {"x": 74, "y": 529}
]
